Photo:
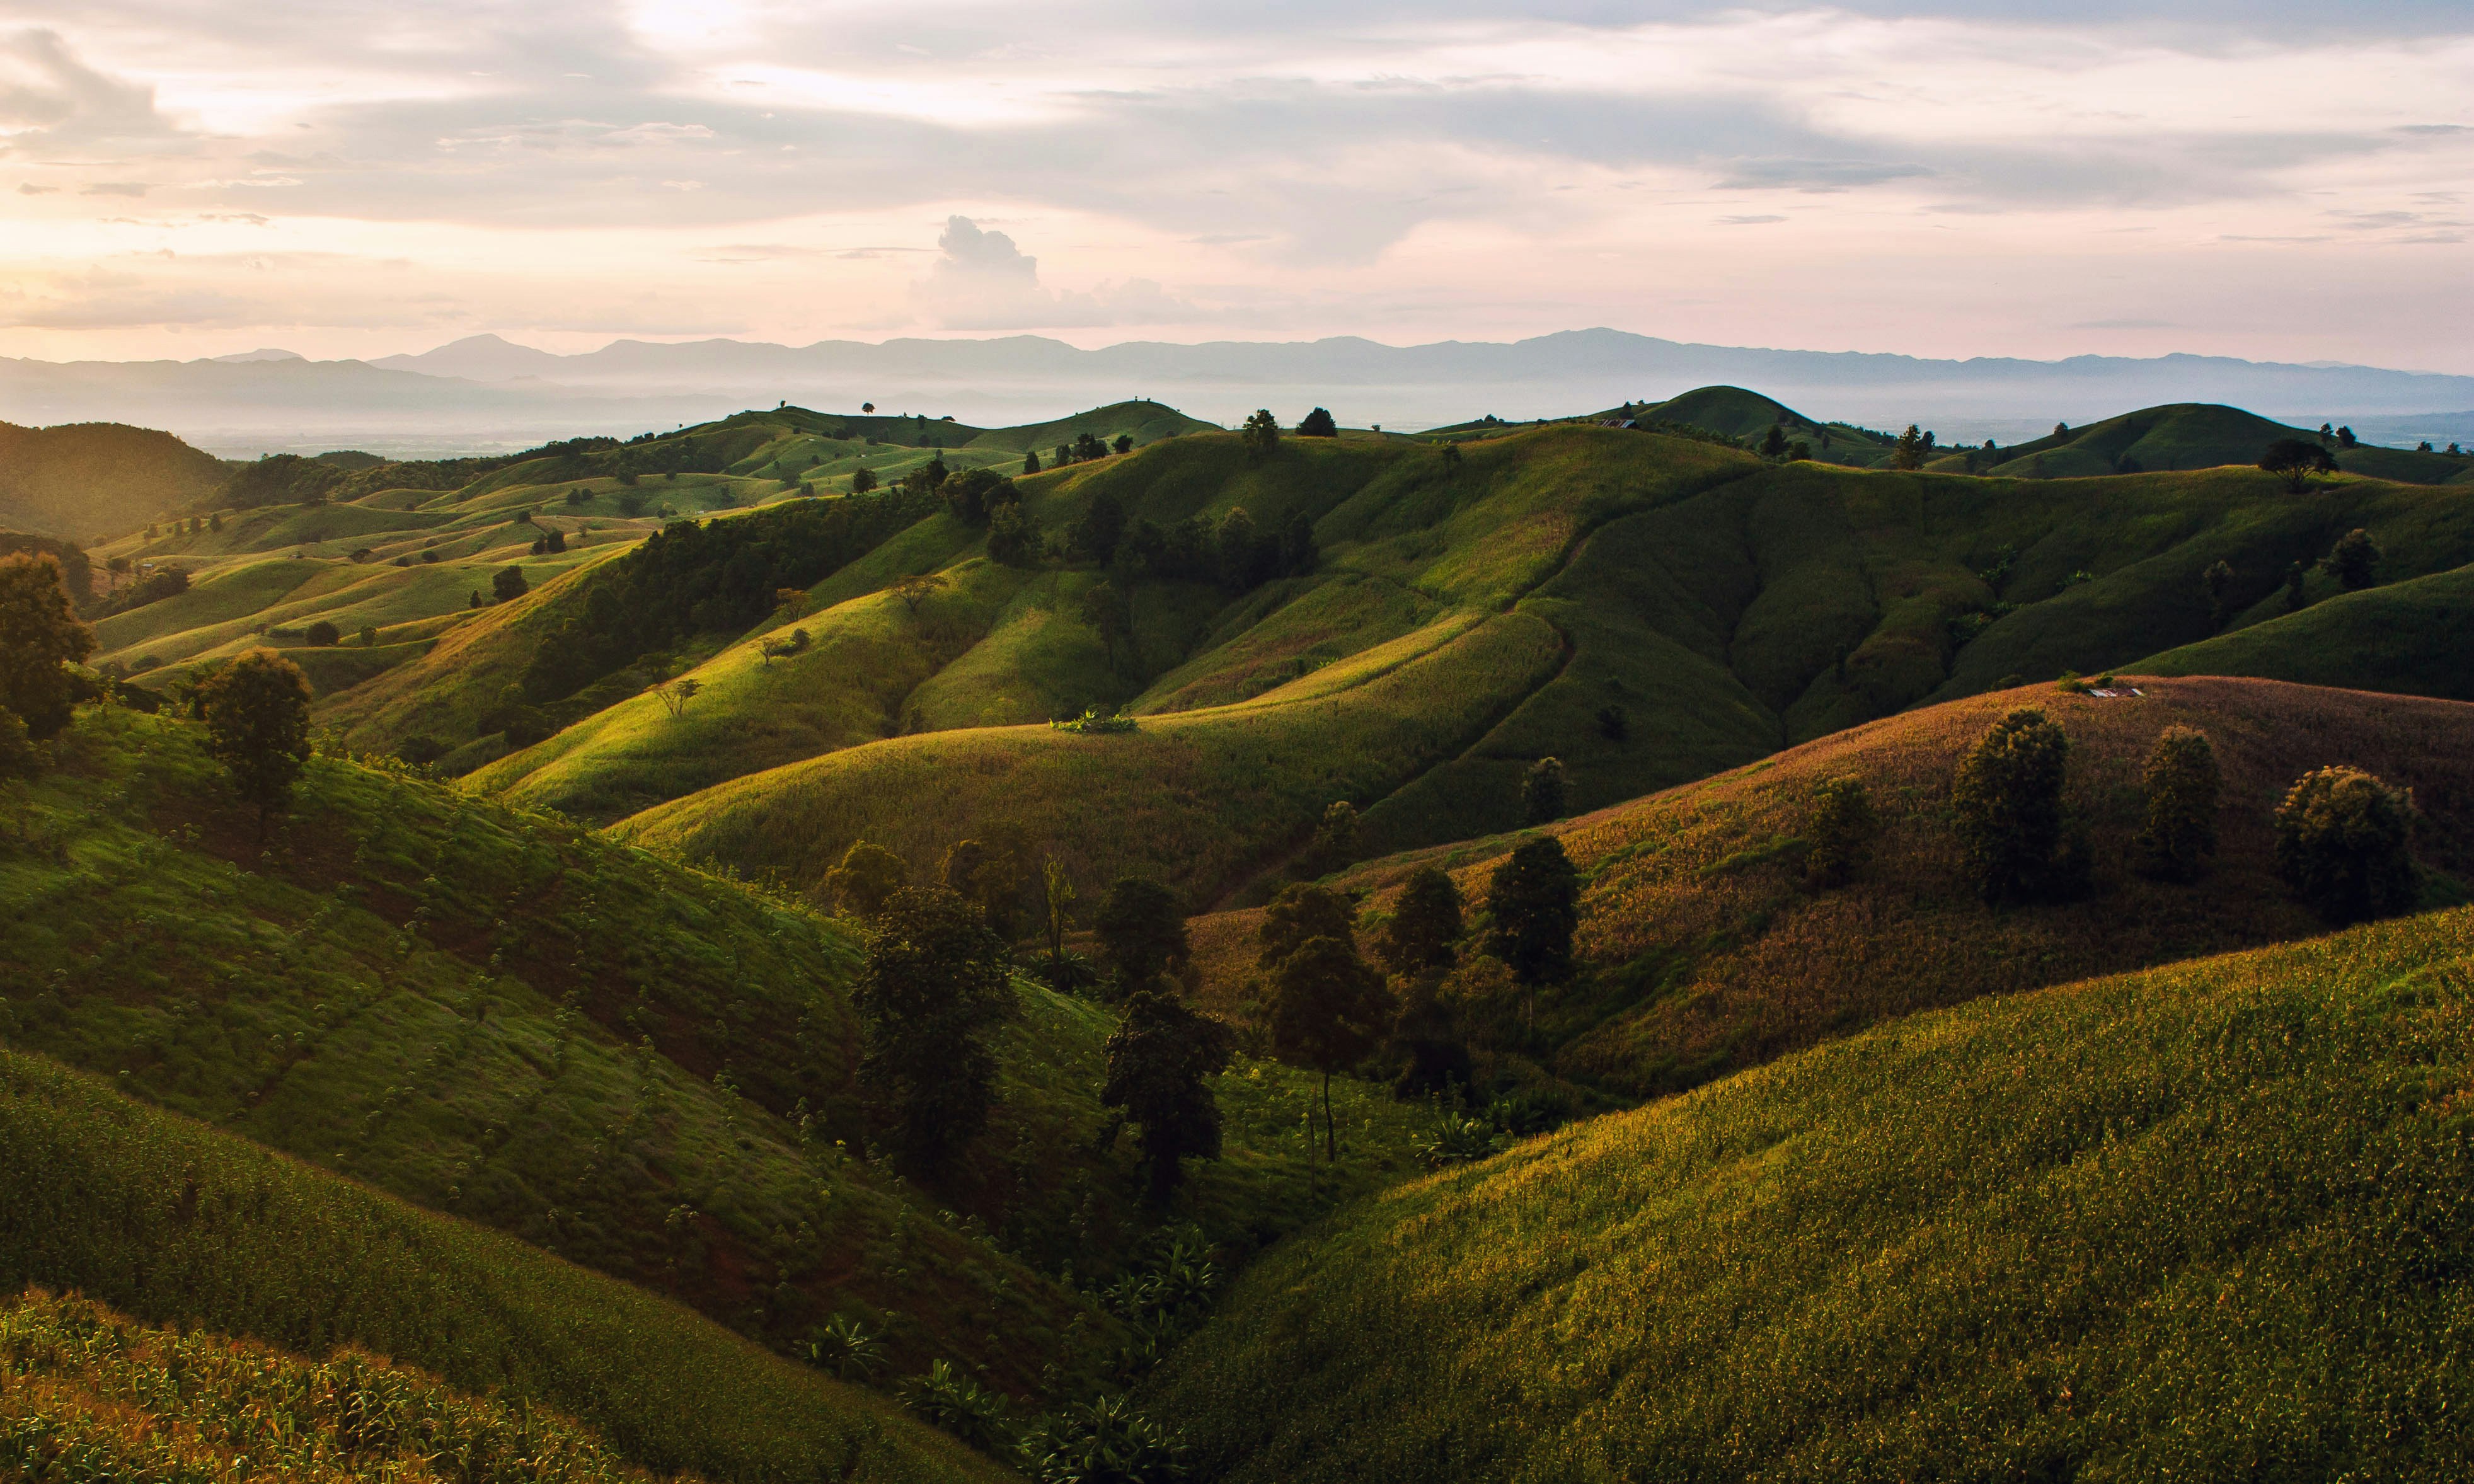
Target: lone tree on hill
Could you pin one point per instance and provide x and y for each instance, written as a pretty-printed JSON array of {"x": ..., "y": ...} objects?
[
  {"x": 1773, "y": 442},
  {"x": 39, "y": 633},
  {"x": 2343, "y": 844},
  {"x": 1124, "y": 443},
  {"x": 257, "y": 711},
  {"x": 1533, "y": 904},
  {"x": 1842, "y": 829},
  {"x": 1110, "y": 615},
  {"x": 2183, "y": 786},
  {"x": 915, "y": 588},
  {"x": 508, "y": 583},
  {"x": 864, "y": 480},
  {"x": 321, "y": 635},
  {"x": 1329, "y": 1009},
  {"x": 1030, "y": 461},
  {"x": 1425, "y": 925},
  {"x": 1141, "y": 926},
  {"x": 1910, "y": 450},
  {"x": 1541, "y": 791},
  {"x": 1300, "y": 913},
  {"x": 1160, "y": 1061},
  {"x": 1261, "y": 433},
  {"x": 933, "y": 990},
  {"x": 674, "y": 694},
  {"x": 866, "y": 879},
  {"x": 2298, "y": 462},
  {"x": 1318, "y": 423},
  {"x": 2217, "y": 582},
  {"x": 2008, "y": 799},
  {"x": 2353, "y": 560}
]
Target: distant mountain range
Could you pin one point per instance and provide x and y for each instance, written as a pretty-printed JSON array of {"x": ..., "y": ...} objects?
[{"x": 484, "y": 391}]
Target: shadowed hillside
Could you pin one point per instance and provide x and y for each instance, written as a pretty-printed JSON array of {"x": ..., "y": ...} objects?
[
  {"x": 89, "y": 479},
  {"x": 2204, "y": 1222},
  {"x": 1712, "y": 956},
  {"x": 2414, "y": 637},
  {"x": 2186, "y": 436}
]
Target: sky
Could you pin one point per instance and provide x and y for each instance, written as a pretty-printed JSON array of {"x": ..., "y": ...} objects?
[{"x": 2276, "y": 179}]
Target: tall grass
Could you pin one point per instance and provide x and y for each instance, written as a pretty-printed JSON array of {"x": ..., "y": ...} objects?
[{"x": 2210, "y": 1222}]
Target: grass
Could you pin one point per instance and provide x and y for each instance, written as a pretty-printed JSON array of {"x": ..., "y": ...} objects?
[
  {"x": 1709, "y": 956},
  {"x": 175, "y": 1224},
  {"x": 2185, "y": 436},
  {"x": 2408, "y": 637},
  {"x": 2204, "y": 1222},
  {"x": 92, "y": 1395}
]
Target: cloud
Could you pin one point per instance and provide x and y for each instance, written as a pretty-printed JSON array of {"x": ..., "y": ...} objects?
[
  {"x": 50, "y": 98},
  {"x": 116, "y": 188},
  {"x": 982, "y": 280},
  {"x": 1748, "y": 221}
]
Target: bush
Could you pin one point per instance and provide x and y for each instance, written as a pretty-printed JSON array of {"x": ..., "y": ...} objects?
[
  {"x": 508, "y": 583},
  {"x": 2354, "y": 561},
  {"x": 321, "y": 635},
  {"x": 2183, "y": 784},
  {"x": 1541, "y": 791},
  {"x": 1318, "y": 423},
  {"x": 1842, "y": 830},
  {"x": 2343, "y": 844},
  {"x": 2008, "y": 801}
]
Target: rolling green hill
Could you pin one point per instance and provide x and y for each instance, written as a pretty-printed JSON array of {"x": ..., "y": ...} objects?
[
  {"x": 2409, "y": 637},
  {"x": 2195, "y": 435},
  {"x": 84, "y": 480},
  {"x": 1707, "y": 953},
  {"x": 2204, "y": 1222}
]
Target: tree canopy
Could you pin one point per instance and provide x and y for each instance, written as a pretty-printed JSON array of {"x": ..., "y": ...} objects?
[
  {"x": 39, "y": 633},
  {"x": 1160, "y": 1060},
  {"x": 930, "y": 998},
  {"x": 257, "y": 711}
]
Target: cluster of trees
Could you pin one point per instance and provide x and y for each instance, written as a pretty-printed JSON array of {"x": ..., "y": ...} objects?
[
  {"x": 1913, "y": 448},
  {"x": 1085, "y": 448},
  {"x": 2343, "y": 836},
  {"x": 2353, "y": 560},
  {"x": 714, "y": 576},
  {"x": 1232, "y": 552}
]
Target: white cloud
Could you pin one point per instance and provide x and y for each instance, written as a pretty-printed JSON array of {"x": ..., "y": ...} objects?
[{"x": 982, "y": 280}]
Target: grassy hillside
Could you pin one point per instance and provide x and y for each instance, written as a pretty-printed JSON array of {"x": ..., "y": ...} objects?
[
  {"x": 92, "y": 1394},
  {"x": 2206, "y": 1221},
  {"x": 1710, "y": 955},
  {"x": 646, "y": 1071},
  {"x": 2188, "y": 436},
  {"x": 176, "y": 1223},
  {"x": 85, "y": 480},
  {"x": 2408, "y": 637},
  {"x": 1145, "y": 422}
]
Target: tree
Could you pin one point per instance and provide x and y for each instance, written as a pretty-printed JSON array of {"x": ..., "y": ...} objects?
[
  {"x": 1160, "y": 1061},
  {"x": 1057, "y": 899},
  {"x": 1240, "y": 551},
  {"x": 866, "y": 879},
  {"x": 1012, "y": 540},
  {"x": 2183, "y": 785},
  {"x": 971, "y": 496},
  {"x": 1533, "y": 906},
  {"x": 989, "y": 878},
  {"x": 1261, "y": 433},
  {"x": 863, "y": 480},
  {"x": 1329, "y": 1009},
  {"x": 1773, "y": 442},
  {"x": 321, "y": 634},
  {"x": 1300, "y": 913},
  {"x": 2295, "y": 576},
  {"x": 1031, "y": 462},
  {"x": 2218, "y": 581},
  {"x": 913, "y": 589},
  {"x": 368, "y": 636},
  {"x": 508, "y": 583},
  {"x": 1842, "y": 828},
  {"x": 2345, "y": 438},
  {"x": 930, "y": 998},
  {"x": 1124, "y": 443},
  {"x": 19, "y": 757},
  {"x": 1541, "y": 791},
  {"x": 1298, "y": 555},
  {"x": 1108, "y": 612},
  {"x": 1335, "y": 840},
  {"x": 2008, "y": 798},
  {"x": 1318, "y": 423},
  {"x": 1141, "y": 927},
  {"x": 1910, "y": 451},
  {"x": 2343, "y": 844},
  {"x": 1093, "y": 535},
  {"x": 674, "y": 694},
  {"x": 257, "y": 711},
  {"x": 1425, "y": 925},
  {"x": 1432, "y": 1056},
  {"x": 2353, "y": 560},
  {"x": 39, "y": 633},
  {"x": 2298, "y": 462}
]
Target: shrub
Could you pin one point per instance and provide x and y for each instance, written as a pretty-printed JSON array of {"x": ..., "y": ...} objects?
[
  {"x": 2343, "y": 844},
  {"x": 20, "y": 758},
  {"x": 867, "y": 876},
  {"x": 1318, "y": 423},
  {"x": 1300, "y": 913},
  {"x": 2353, "y": 560},
  {"x": 2183, "y": 784},
  {"x": 507, "y": 583},
  {"x": 2008, "y": 801},
  {"x": 1842, "y": 829},
  {"x": 321, "y": 635},
  {"x": 1541, "y": 791}
]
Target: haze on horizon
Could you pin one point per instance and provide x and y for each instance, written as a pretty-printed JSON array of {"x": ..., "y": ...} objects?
[{"x": 2032, "y": 179}]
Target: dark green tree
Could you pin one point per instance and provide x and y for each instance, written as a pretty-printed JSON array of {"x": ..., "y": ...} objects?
[
  {"x": 1012, "y": 540},
  {"x": 1300, "y": 913},
  {"x": 1111, "y": 615},
  {"x": 2218, "y": 581},
  {"x": 863, "y": 480},
  {"x": 1031, "y": 462},
  {"x": 2343, "y": 844},
  {"x": 1425, "y": 923},
  {"x": 1842, "y": 829},
  {"x": 1161, "y": 1059},
  {"x": 19, "y": 757},
  {"x": 1123, "y": 444},
  {"x": 1541, "y": 791},
  {"x": 1910, "y": 450},
  {"x": 866, "y": 879},
  {"x": 1533, "y": 907},
  {"x": 2295, "y": 577},
  {"x": 2183, "y": 786},
  {"x": 930, "y": 998},
  {"x": 1426, "y": 1043},
  {"x": 1318, "y": 423},
  {"x": 1093, "y": 535},
  {"x": 1261, "y": 433},
  {"x": 257, "y": 711},
  {"x": 1241, "y": 551},
  {"x": 321, "y": 635},
  {"x": 1773, "y": 442},
  {"x": 508, "y": 583},
  {"x": 2353, "y": 560},
  {"x": 1335, "y": 841},
  {"x": 2007, "y": 798},
  {"x": 1329, "y": 1011},
  {"x": 2298, "y": 462},
  {"x": 40, "y": 634},
  {"x": 1299, "y": 555},
  {"x": 1141, "y": 928}
]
